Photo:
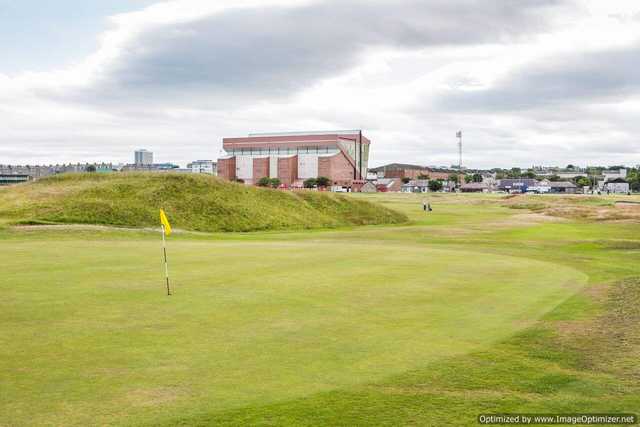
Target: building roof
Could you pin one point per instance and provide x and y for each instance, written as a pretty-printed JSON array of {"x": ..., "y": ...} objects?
[
  {"x": 474, "y": 185},
  {"x": 387, "y": 181},
  {"x": 397, "y": 166},
  {"x": 529, "y": 182},
  {"x": 294, "y": 139},
  {"x": 562, "y": 184},
  {"x": 417, "y": 183},
  {"x": 322, "y": 132}
]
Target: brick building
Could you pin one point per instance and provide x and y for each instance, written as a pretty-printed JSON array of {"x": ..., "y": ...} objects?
[
  {"x": 292, "y": 157},
  {"x": 401, "y": 170}
]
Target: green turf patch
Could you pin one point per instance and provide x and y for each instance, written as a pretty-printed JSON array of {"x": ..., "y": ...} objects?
[{"x": 475, "y": 308}]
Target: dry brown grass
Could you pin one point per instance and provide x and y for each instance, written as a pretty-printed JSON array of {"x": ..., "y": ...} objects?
[
  {"x": 609, "y": 342},
  {"x": 576, "y": 207}
]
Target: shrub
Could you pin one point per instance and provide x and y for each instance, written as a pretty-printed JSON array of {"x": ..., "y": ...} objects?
[
  {"x": 264, "y": 182},
  {"x": 434, "y": 185},
  {"x": 310, "y": 183},
  {"x": 275, "y": 182},
  {"x": 323, "y": 181}
]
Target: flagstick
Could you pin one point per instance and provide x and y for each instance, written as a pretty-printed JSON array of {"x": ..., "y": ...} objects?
[{"x": 166, "y": 265}]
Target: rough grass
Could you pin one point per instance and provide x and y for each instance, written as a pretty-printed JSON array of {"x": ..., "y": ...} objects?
[
  {"x": 192, "y": 202},
  {"x": 578, "y": 207}
]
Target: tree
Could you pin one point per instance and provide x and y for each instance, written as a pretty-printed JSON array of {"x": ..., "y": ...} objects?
[
  {"x": 514, "y": 173},
  {"x": 406, "y": 180},
  {"x": 323, "y": 181},
  {"x": 468, "y": 178},
  {"x": 529, "y": 174},
  {"x": 275, "y": 182},
  {"x": 476, "y": 177},
  {"x": 554, "y": 178},
  {"x": 434, "y": 185},
  {"x": 570, "y": 167},
  {"x": 583, "y": 181},
  {"x": 310, "y": 183},
  {"x": 264, "y": 182},
  {"x": 91, "y": 168},
  {"x": 453, "y": 177},
  {"x": 423, "y": 176}
]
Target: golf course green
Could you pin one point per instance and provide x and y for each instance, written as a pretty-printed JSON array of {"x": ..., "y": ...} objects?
[{"x": 477, "y": 307}]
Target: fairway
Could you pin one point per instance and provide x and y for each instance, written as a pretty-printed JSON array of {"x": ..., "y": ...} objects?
[
  {"x": 89, "y": 336},
  {"x": 249, "y": 322}
]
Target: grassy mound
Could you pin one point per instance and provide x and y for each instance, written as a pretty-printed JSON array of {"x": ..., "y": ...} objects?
[{"x": 193, "y": 202}]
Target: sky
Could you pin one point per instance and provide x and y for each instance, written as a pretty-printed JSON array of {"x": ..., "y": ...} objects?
[{"x": 529, "y": 82}]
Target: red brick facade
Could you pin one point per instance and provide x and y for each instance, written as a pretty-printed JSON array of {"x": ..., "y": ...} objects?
[
  {"x": 288, "y": 170},
  {"x": 227, "y": 168},
  {"x": 260, "y": 168},
  {"x": 339, "y": 154},
  {"x": 415, "y": 173},
  {"x": 337, "y": 168}
]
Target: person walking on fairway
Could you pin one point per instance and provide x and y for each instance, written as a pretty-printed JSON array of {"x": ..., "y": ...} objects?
[{"x": 424, "y": 205}]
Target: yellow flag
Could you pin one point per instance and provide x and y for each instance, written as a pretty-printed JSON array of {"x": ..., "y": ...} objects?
[{"x": 164, "y": 221}]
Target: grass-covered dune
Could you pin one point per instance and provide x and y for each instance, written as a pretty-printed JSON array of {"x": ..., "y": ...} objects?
[{"x": 193, "y": 202}]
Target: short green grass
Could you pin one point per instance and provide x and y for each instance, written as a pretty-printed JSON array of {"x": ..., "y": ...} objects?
[{"x": 473, "y": 308}]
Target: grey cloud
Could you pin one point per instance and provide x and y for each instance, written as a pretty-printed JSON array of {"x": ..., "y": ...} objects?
[
  {"x": 272, "y": 52},
  {"x": 603, "y": 76}
]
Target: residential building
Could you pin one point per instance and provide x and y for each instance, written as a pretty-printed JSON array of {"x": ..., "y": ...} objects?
[
  {"x": 403, "y": 170},
  {"x": 143, "y": 158},
  {"x": 475, "y": 187},
  {"x": 292, "y": 157},
  {"x": 422, "y": 186},
  {"x": 516, "y": 185},
  {"x": 562, "y": 187},
  {"x": 9, "y": 179},
  {"x": 416, "y": 186},
  {"x": 203, "y": 166},
  {"x": 154, "y": 167},
  {"x": 610, "y": 175},
  {"x": 617, "y": 186},
  {"x": 385, "y": 185},
  {"x": 368, "y": 187},
  {"x": 41, "y": 171}
]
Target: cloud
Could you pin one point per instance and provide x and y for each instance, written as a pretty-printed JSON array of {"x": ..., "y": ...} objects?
[
  {"x": 238, "y": 55},
  {"x": 551, "y": 82},
  {"x": 529, "y": 82}
]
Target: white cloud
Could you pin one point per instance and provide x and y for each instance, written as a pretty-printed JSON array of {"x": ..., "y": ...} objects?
[{"x": 529, "y": 82}]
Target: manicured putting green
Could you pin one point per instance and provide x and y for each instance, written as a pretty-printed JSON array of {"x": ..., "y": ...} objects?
[{"x": 89, "y": 337}]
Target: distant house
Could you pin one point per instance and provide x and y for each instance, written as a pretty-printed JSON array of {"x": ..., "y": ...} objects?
[
  {"x": 368, "y": 187},
  {"x": 203, "y": 166},
  {"x": 615, "y": 174},
  {"x": 475, "y": 187},
  {"x": 617, "y": 186},
  {"x": 422, "y": 186},
  {"x": 388, "y": 184},
  {"x": 516, "y": 185},
  {"x": 416, "y": 186},
  {"x": 402, "y": 170},
  {"x": 563, "y": 187},
  {"x": 9, "y": 179}
]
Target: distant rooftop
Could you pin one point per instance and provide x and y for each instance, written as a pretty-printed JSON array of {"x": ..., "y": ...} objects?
[
  {"x": 397, "y": 166},
  {"x": 321, "y": 132}
]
